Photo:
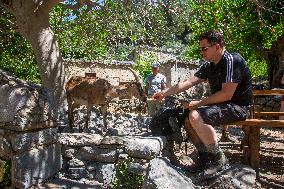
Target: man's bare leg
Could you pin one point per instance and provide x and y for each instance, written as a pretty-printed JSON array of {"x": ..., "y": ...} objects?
[
  {"x": 216, "y": 159},
  {"x": 205, "y": 132},
  {"x": 199, "y": 161},
  {"x": 191, "y": 132}
]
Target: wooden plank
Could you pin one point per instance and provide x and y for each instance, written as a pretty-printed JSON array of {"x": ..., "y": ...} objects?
[
  {"x": 268, "y": 92},
  {"x": 258, "y": 114},
  {"x": 260, "y": 123}
]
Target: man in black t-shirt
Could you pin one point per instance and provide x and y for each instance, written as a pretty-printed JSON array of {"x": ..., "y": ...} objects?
[{"x": 231, "y": 95}]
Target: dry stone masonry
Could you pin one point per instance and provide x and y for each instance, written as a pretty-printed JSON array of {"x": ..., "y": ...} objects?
[
  {"x": 93, "y": 157},
  {"x": 28, "y": 137}
]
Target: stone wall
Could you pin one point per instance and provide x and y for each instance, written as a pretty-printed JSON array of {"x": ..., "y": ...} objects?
[
  {"x": 267, "y": 104},
  {"x": 91, "y": 156},
  {"x": 113, "y": 71},
  {"x": 28, "y": 137},
  {"x": 176, "y": 71}
]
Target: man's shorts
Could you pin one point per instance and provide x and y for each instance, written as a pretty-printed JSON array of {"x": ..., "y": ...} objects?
[{"x": 223, "y": 114}]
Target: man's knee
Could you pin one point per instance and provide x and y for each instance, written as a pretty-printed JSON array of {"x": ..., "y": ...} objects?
[{"x": 194, "y": 118}]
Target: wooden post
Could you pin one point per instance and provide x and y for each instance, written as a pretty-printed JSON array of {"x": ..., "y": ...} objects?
[
  {"x": 245, "y": 144},
  {"x": 254, "y": 148}
]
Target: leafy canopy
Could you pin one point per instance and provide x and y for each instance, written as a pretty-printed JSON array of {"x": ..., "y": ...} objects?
[{"x": 114, "y": 29}]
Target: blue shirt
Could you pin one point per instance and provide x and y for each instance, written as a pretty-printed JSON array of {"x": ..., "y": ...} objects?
[{"x": 155, "y": 83}]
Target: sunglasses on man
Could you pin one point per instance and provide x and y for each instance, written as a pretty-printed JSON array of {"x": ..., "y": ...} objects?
[{"x": 204, "y": 49}]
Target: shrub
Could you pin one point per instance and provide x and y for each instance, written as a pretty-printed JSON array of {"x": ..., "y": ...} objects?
[
  {"x": 6, "y": 174},
  {"x": 124, "y": 179}
]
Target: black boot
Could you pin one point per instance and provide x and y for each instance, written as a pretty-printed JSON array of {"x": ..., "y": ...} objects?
[
  {"x": 217, "y": 163},
  {"x": 199, "y": 165}
]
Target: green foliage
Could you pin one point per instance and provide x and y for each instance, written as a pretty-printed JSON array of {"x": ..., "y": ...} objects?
[
  {"x": 99, "y": 32},
  {"x": 22, "y": 66},
  {"x": 258, "y": 69},
  {"x": 6, "y": 174},
  {"x": 81, "y": 34},
  {"x": 16, "y": 54},
  {"x": 245, "y": 24},
  {"x": 113, "y": 29},
  {"x": 124, "y": 179},
  {"x": 143, "y": 63}
]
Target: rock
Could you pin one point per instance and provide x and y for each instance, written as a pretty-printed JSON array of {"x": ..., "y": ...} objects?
[
  {"x": 105, "y": 173},
  {"x": 36, "y": 165},
  {"x": 144, "y": 147},
  {"x": 24, "y": 106},
  {"x": 79, "y": 139},
  {"x": 24, "y": 141},
  {"x": 98, "y": 154},
  {"x": 161, "y": 175},
  {"x": 237, "y": 176},
  {"x": 2, "y": 164}
]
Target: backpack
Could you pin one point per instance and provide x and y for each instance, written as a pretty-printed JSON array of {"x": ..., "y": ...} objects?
[{"x": 168, "y": 122}]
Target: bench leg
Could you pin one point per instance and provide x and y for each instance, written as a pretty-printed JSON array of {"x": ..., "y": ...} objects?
[
  {"x": 254, "y": 148},
  {"x": 245, "y": 144},
  {"x": 251, "y": 147}
]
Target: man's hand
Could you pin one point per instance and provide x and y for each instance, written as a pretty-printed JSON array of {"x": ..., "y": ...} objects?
[
  {"x": 158, "y": 96},
  {"x": 192, "y": 105}
]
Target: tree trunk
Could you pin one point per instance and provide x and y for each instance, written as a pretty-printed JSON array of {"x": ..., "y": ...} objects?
[
  {"x": 33, "y": 23},
  {"x": 49, "y": 62}
]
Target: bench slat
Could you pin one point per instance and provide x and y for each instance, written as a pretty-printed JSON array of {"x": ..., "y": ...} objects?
[
  {"x": 268, "y": 92},
  {"x": 261, "y": 123},
  {"x": 269, "y": 113}
]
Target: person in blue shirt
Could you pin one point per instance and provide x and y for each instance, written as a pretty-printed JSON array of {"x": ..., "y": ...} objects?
[{"x": 155, "y": 82}]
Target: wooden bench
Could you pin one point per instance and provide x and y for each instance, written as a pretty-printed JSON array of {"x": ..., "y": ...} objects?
[{"x": 251, "y": 127}]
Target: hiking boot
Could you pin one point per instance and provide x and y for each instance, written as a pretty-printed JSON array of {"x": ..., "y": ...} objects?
[
  {"x": 217, "y": 163},
  {"x": 199, "y": 165}
]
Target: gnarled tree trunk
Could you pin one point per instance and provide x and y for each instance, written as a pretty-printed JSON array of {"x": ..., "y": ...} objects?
[{"x": 32, "y": 19}]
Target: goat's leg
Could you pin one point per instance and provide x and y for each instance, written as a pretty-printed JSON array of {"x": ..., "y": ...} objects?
[
  {"x": 70, "y": 116},
  {"x": 104, "y": 114},
  {"x": 88, "y": 117}
]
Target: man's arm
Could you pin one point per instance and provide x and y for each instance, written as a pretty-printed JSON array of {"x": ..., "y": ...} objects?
[
  {"x": 181, "y": 86},
  {"x": 225, "y": 94}
]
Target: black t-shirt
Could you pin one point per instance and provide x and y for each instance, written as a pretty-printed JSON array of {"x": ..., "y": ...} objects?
[{"x": 232, "y": 68}]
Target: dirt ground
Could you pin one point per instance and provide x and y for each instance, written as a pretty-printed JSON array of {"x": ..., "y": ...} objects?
[{"x": 271, "y": 159}]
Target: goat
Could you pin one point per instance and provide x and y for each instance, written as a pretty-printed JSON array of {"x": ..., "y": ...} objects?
[{"x": 95, "y": 91}]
